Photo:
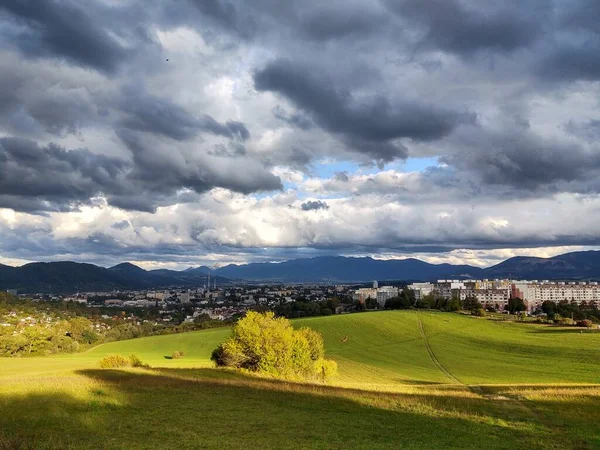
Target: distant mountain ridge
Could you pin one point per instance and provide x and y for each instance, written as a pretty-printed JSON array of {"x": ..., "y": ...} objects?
[
  {"x": 345, "y": 269},
  {"x": 570, "y": 266},
  {"x": 68, "y": 277},
  {"x": 72, "y": 277}
]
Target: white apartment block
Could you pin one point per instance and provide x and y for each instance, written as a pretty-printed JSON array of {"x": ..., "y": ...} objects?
[
  {"x": 363, "y": 294},
  {"x": 497, "y": 298},
  {"x": 535, "y": 292},
  {"x": 384, "y": 293},
  {"x": 497, "y": 292},
  {"x": 422, "y": 289},
  {"x": 381, "y": 294}
]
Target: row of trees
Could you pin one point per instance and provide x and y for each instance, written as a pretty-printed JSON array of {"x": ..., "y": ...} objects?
[
  {"x": 407, "y": 300},
  {"x": 305, "y": 308},
  {"x": 572, "y": 310}
]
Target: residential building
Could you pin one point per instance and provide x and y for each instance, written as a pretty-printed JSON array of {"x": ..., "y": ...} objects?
[{"x": 384, "y": 293}]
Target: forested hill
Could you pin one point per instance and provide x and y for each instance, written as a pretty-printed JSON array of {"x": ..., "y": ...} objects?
[{"x": 67, "y": 277}]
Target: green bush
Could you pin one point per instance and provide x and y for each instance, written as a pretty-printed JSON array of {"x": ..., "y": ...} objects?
[
  {"x": 177, "y": 355},
  {"x": 271, "y": 346},
  {"x": 564, "y": 321},
  {"x": 135, "y": 361},
  {"x": 326, "y": 368},
  {"x": 113, "y": 362}
]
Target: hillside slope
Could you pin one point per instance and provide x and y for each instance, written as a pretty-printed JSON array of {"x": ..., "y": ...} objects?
[
  {"x": 386, "y": 348},
  {"x": 398, "y": 397}
]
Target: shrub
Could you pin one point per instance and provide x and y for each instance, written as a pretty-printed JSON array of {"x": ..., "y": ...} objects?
[
  {"x": 177, "y": 355},
  {"x": 479, "y": 312},
  {"x": 326, "y": 368},
  {"x": 564, "y": 321},
  {"x": 135, "y": 361},
  {"x": 113, "y": 362},
  {"x": 268, "y": 345},
  {"x": 585, "y": 323},
  {"x": 400, "y": 302}
]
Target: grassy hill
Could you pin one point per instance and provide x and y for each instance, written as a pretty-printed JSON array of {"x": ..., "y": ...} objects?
[{"x": 407, "y": 380}]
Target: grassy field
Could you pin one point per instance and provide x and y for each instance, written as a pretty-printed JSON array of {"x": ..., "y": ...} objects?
[{"x": 407, "y": 380}]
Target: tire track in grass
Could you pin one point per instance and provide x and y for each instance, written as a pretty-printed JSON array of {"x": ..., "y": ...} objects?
[
  {"x": 507, "y": 400},
  {"x": 434, "y": 359}
]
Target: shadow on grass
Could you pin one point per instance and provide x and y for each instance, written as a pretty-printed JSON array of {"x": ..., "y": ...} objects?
[
  {"x": 211, "y": 408},
  {"x": 52, "y": 420},
  {"x": 407, "y": 382},
  {"x": 557, "y": 330}
]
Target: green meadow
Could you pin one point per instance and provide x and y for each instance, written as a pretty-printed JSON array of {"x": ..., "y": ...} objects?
[{"x": 407, "y": 380}]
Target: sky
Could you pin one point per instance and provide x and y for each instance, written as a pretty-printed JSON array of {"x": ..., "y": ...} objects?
[{"x": 188, "y": 132}]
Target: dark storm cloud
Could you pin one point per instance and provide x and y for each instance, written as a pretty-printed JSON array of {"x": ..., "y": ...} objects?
[
  {"x": 524, "y": 160},
  {"x": 568, "y": 62},
  {"x": 60, "y": 28},
  {"x": 588, "y": 130},
  {"x": 295, "y": 119},
  {"x": 466, "y": 27},
  {"x": 581, "y": 15},
  {"x": 31, "y": 103},
  {"x": 153, "y": 114},
  {"x": 374, "y": 121},
  {"x": 50, "y": 178},
  {"x": 314, "y": 205},
  {"x": 331, "y": 23},
  {"x": 158, "y": 173},
  {"x": 35, "y": 178},
  {"x": 229, "y": 15}
]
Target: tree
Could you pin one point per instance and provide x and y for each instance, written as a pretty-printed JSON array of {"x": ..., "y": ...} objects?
[
  {"x": 515, "y": 304},
  {"x": 78, "y": 327},
  {"x": 38, "y": 339},
  {"x": 470, "y": 303},
  {"x": 265, "y": 344},
  {"x": 426, "y": 302},
  {"x": 371, "y": 303},
  {"x": 409, "y": 295},
  {"x": 453, "y": 304},
  {"x": 400, "y": 302},
  {"x": 548, "y": 308}
]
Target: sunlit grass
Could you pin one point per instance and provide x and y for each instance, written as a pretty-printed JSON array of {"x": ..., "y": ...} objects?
[{"x": 389, "y": 393}]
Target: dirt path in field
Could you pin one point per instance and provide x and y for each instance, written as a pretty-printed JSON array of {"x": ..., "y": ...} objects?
[
  {"x": 475, "y": 389},
  {"x": 436, "y": 361},
  {"x": 509, "y": 402}
]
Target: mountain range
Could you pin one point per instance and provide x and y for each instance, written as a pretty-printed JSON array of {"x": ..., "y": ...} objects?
[
  {"x": 71, "y": 277},
  {"x": 67, "y": 277},
  {"x": 571, "y": 266}
]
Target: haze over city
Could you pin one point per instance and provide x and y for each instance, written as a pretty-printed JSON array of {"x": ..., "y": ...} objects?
[{"x": 175, "y": 134}]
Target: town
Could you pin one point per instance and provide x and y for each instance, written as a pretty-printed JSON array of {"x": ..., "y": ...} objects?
[{"x": 228, "y": 302}]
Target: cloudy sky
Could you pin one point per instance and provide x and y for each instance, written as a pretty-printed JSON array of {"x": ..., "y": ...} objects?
[{"x": 185, "y": 132}]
